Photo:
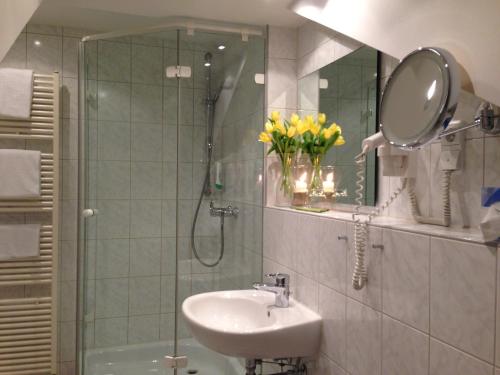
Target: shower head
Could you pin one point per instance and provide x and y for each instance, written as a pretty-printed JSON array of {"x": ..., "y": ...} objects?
[{"x": 208, "y": 59}]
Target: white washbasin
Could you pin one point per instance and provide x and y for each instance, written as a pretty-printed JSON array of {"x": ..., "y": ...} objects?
[{"x": 244, "y": 323}]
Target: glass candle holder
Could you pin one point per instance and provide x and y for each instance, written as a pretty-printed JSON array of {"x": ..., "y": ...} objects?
[
  {"x": 328, "y": 182},
  {"x": 300, "y": 191}
]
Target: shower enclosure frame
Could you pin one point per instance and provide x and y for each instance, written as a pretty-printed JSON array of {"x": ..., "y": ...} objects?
[{"x": 179, "y": 24}]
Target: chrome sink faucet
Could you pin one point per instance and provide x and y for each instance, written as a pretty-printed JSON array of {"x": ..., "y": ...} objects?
[{"x": 281, "y": 288}]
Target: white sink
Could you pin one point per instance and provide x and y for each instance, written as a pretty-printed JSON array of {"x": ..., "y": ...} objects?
[{"x": 244, "y": 323}]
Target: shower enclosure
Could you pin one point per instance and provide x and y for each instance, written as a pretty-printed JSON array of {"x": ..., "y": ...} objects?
[{"x": 170, "y": 190}]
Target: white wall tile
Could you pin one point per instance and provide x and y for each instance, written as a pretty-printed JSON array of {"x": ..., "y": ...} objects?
[
  {"x": 405, "y": 350},
  {"x": 282, "y": 83},
  {"x": 282, "y": 43},
  {"x": 405, "y": 270},
  {"x": 332, "y": 254},
  {"x": 445, "y": 360},
  {"x": 497, "y": 315},
  {"x": 371, "y": 294},
  {"x": 332, "y": 308},
  {"x": 325, "y": 366},
  {"x": 463, "y": 295},
  {"x": 364, "y": 339}
]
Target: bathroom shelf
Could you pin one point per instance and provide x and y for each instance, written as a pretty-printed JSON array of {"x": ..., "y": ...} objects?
[{"x": 402, "y": 224}]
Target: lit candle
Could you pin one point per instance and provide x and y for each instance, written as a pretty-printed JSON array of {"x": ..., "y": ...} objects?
[
  {"x": 328, "y": 186},
  {"x": 300, "y": 191},
  {"x": 301, "y": 184}
]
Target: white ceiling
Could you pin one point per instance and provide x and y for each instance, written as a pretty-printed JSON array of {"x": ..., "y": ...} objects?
[{"x": 109, "y": 15}]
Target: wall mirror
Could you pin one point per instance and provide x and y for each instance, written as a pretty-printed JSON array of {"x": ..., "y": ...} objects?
[{"x": 347, "y": 91}]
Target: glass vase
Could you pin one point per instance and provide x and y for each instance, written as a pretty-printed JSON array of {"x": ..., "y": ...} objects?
[
  {"x": 284, "y": 193},
  {"x": 316, "y": 184}
]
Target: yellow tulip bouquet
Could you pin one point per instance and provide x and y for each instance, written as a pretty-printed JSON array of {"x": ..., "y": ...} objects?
[
  {"x": 284, "y": 140},
  {"x": 317, "y": 139}
]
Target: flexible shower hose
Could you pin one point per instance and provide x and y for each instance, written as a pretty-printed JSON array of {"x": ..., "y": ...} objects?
[{"x": 195, "y": 220}]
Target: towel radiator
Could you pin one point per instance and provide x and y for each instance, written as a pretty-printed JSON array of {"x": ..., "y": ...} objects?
[{"x": 28, "y": 323}]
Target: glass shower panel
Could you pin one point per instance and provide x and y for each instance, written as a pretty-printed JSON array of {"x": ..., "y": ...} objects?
[
  {"x": 159, "y": 154},
  {"x": 221, "y": 112}
]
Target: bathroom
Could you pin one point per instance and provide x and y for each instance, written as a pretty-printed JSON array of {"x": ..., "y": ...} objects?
[{"x": 163, "y": 210}]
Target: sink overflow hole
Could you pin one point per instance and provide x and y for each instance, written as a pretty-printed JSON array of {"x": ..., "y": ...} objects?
[{"x": 191, "y": 372}]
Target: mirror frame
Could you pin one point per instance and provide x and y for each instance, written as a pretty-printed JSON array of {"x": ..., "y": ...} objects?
[{"x": 446, "y": 111}]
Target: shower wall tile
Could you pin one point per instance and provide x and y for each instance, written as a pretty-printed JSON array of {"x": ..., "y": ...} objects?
[
  {"x": 147, "y": 103},
  {"x": 113, "y": 101},
  {"x": 144, "y": 328},
  {"x": 114, "y": 219},
  {"x": 114, "y": 61},
  {"x": 147, "y": 64},
  {"x": 170, "y": 144},
  {"x": 147, "y": 142},
  {"x": 144, "y": 295},
  {"x": 145, "y": 256},
  {"x": 112, "y": 298},
  {"x": 112, "y": 258},
  {"x": 113, "y": 180},
  {"x": 113, "y": 140},
  {"x": 110, "y": 332},
  {"x": 168, "y": 256},
  {"x": 463, "y": 295},
  {"x": 145, "y": 219},
  {"x": 146, "y": 180}
]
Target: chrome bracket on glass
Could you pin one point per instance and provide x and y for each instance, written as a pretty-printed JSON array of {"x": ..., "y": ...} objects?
[
  {"x": 176, "y": 362},
  {"x": 178, "y": 71}
]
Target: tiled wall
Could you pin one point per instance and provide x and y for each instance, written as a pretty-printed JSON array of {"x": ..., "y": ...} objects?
[
  {"x": 57, "y": 50},
  {"x": 430, "y": 305}
]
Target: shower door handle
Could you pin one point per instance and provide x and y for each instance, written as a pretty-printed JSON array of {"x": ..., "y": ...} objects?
[{"x": 89, "y": 212}]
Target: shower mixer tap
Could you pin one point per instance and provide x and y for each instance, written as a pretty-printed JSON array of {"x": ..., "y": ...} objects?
[{"x": 223, "y": 211}]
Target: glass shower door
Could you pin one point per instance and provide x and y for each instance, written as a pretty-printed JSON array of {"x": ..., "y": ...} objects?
[{"x": 128, "y": 257}]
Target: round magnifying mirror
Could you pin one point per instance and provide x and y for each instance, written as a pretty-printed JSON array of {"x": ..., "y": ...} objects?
[{"x": 420, "y": 98}]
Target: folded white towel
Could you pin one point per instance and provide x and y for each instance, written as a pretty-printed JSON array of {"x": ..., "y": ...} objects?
[
  {"x": 19, "y": 241},
  {"x": 16, "y": 92},
  {"x": 19, "y": 174}
]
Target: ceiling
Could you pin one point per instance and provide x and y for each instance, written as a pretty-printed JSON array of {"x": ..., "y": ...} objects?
[{"x": 107, "y": 15}]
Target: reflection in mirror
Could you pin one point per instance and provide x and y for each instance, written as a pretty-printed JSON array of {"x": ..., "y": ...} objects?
[{"x": 346, "y": 90}]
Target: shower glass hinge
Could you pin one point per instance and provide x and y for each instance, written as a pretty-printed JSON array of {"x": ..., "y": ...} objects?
[
  {"x": 176, "y": 362},
  {"x": 178, "y": 71}
]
